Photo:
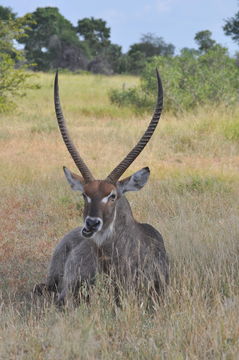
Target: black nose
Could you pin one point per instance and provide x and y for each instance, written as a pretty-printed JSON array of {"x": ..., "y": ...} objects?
[{"x": 92, "y": 223}]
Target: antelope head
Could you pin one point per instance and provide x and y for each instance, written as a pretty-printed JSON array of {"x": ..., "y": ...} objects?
[{"x": 101, "y": 196}]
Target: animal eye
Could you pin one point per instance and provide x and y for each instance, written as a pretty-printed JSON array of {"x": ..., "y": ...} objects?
[{"x": 112, "y": 197}]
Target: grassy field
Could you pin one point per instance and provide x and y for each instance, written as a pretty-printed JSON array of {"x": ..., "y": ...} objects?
[{"x": 192, "y": 197}]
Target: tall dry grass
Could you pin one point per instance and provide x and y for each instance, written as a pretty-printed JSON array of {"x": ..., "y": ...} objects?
[{"x": 191, "y": 197}]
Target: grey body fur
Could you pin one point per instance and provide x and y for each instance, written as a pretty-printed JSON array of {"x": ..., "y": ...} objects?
[{"x": 134, "y": 252}]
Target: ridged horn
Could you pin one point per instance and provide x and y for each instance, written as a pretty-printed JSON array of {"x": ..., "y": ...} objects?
[
  {"x": 114, "y": 176},
  {"x": 88, "y": 177}
]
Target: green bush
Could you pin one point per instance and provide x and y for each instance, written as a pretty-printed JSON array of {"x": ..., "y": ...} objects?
[
  {"x": 131, "y": 96},
  {"x": 13, "y": 74},
  {"x": 189, "y": 80}
]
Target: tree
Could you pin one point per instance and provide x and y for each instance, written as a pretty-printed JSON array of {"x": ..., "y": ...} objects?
[
  {"x": 152, "y": 45},
  {"x": 231, "y": 28},
  {"x": 94, "y": 33},
  {"x": 104, "y": 56},
  {"x": 6, "y": 13},
  {"x": 136, "y": 62},
  {"x": 204, "y": 41},
  {"x": 108, "y": 61},
  {"x": 113, "y": 54},
  {"x": 52, "y": 41},
  {"x": 13, "y": 77}
]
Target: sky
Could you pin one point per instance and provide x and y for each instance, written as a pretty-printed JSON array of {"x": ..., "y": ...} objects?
[{"x": 176, "y": 21}]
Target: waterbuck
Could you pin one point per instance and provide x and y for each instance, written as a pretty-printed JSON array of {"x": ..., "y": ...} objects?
[{"x": 110, "y": 240}]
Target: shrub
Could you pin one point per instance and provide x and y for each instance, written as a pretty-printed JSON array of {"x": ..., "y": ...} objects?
[
  {"x": 13, "y": 75},
  {"x": 189, "y": 80},
  {"x": 128, "y": 97}
]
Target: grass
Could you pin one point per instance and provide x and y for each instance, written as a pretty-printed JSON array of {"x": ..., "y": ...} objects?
[{"x": 192, "y": 198}]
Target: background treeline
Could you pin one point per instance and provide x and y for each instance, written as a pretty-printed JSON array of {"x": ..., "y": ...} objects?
[{"x": 48, "y": 41}]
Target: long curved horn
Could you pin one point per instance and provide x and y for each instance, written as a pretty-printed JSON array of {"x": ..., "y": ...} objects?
[
  {"x": 132, "y": 155},
  {"x": 88, "y": 177}
]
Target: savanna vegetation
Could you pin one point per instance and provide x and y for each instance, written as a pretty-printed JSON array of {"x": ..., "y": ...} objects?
[
  {"x": 192, "y": 197},
  {"x": 191, "y": 80},
  {"x": 206, "y": 75}
]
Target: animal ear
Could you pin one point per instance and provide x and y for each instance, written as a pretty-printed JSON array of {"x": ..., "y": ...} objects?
[
  {"x": 134, "y": 182},
  {"x": 76, "y": 182}
]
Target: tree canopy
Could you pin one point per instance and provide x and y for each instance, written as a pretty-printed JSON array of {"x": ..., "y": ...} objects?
[
  {"x": 13, "y": 77},
  {"x": 95, "y": 33},
  {"x": 204, "y": 40},
  {"x": 152, "y": 45},
  {"x": 7, "y": 13},
  {"x": 231, "y": 28},
  {"x": 52, "y": 42}
]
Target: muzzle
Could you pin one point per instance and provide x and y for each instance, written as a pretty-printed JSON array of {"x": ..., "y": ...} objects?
[{"x": 92, "y": 226}]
